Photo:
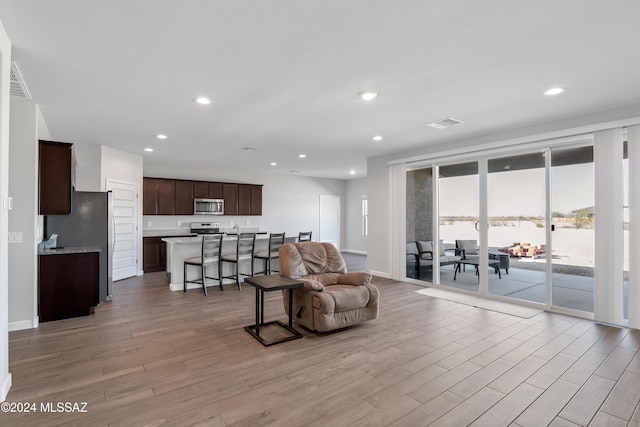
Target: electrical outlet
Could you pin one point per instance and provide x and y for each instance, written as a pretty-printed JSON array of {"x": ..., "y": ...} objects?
[
  {"x": 179, "y": 223},
  {"x": 149, "y": 223}
]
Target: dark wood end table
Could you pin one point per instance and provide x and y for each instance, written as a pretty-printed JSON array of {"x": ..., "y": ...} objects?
[{"x": 266, "y": 284}]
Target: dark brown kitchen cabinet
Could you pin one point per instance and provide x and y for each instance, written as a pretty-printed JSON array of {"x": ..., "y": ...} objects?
[
  {"x": 256, "y": 200},
  {"x": 244, "y": 199},
  {"x": 56, "y": 175},
  {"x": 67, "y": 285},
  {"x": 216, "y": 190},
  {"x": 162, "y": 196},
  {"x": 154, "y": 254},
  {"x": 158, "y": 196},
  {"x": 230, "y": 196},
  {"x": 183, "y": 197},
  {"x": 201, "y": 189},
  {"x": 249, "y": 199}
]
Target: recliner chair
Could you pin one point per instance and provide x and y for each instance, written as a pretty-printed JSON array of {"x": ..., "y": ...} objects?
[{"x": 331, "y": 298}]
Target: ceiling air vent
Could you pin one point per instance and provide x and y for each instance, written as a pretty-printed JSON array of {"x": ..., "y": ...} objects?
[
  {"x": 444, "y": 123},
  {"x": 18, "y": 88}
]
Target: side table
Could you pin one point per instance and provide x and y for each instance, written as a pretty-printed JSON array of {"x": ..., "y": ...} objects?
[{"x": 265, "y": 284}]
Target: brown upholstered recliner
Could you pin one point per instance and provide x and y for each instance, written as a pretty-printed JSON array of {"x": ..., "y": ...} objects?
[{"x": 331, "y": 298}]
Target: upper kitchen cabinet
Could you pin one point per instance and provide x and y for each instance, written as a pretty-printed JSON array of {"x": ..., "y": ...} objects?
[
  {"x": 216, "y": 190},
  {"x": 249, "y": 199},
  {"x": 56, "y": 177},
  {"x": 207, "y": 190},
  {"x": 256, "y": 200},
  {"x": 244, "y": 199},
  {"x": 158, "y": 196},
  {"x": 184, "y": 197},
  {"x": 162, "y": 196},
  {"x": 230, "y": 196},
  {"x": 201, "y": 189}
]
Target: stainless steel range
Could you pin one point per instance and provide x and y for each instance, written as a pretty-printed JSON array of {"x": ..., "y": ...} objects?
[{"x": 205, "y": 227}]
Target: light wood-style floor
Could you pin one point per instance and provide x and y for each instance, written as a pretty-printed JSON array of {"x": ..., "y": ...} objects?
[{"x": 160, "y": 358}]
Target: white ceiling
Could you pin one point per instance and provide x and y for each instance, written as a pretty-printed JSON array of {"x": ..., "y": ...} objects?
[{"x": 285, "y": 75}]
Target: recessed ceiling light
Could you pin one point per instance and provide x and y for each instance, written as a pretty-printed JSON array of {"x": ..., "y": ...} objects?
[
  {"x": 249, "y": 149},
  {"x": 203, "y": 100},
  {"x": 352, "y": 172},
  {"x": 148, "y": 149},
  {"x": 273, "y": 164},
  {"x": 377, "y": 138},
  {"x": 161, "y": 136},
  {"x": 554, "y": 91},
  {"x": 302, "y": 156},
  {"x": 368, "y": 96},
  {"x": 294, "y": 172}
]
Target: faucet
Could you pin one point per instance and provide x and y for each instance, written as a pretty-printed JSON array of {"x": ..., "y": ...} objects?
[{"x": 237, "y": 228}]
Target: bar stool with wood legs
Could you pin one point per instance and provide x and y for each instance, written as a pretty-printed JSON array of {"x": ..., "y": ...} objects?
[
  {"x": 209, "y": 255},
  {"x": 304, "y": 236},
  {"x": 275, "y": 241},
  {"x": 245, "y": 245}
]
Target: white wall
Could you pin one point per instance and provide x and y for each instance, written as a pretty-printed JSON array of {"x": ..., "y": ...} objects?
[
  {"x": 23, "y": 218},
  {"x": 379, "y": 237},
  {"x": 355, "y": 241},
  {"x": 120, "y": 165},
  {"x": 5, "y": 65},
  {"x": 290, "y": 204},
  {"x": 88, "y": 169}
]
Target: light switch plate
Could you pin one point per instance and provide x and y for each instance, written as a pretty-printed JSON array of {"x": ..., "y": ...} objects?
[{"x": 15, "y": 237}]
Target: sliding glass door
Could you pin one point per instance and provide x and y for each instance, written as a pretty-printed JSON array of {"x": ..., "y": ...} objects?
[
  {"x": 516, "y": 219},
  {"x": 573, "y": 225},
  {"x": 536, "y": 202},
  {"x": 458, "y": 220}
]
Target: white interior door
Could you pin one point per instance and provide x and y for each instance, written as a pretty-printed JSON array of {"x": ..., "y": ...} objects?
[
  {"x": 125, "y": 218},
  {"x": 330, "y": 220}
]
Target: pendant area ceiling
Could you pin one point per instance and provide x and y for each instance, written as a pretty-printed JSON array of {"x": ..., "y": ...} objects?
[{"x": 285, "y": 76}]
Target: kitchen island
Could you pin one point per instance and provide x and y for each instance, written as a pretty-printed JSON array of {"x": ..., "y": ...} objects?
[{"x": 181, "y": 248}]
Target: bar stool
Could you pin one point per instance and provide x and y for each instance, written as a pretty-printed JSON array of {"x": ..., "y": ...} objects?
[
  {"x": 275, "y": 241},
  {"x": 304, "y": 236},
  {"x": 209, "y": 254},
  {"x": 245, "y": 245}
]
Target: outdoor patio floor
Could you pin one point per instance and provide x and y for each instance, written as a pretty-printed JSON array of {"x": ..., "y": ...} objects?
[{"x": 569, "y": 290}]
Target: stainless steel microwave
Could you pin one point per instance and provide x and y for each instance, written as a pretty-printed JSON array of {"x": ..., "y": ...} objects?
[{"x": 208, "y": 206}]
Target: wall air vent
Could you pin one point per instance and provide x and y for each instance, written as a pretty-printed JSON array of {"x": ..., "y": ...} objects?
[
  {"x": 18, "y": 88},
  {"x": 444, "y": 123}
]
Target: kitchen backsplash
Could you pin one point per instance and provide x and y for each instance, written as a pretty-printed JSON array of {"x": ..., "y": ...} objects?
[{"x": 175, "y": 222}]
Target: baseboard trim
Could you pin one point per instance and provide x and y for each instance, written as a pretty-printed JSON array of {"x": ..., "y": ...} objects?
[
  {"x": 5, "y": 387},
  {"x": 23, "y": 324},
  {"x": 380, "y": 274},
  {"x": 354, "y": 251}
]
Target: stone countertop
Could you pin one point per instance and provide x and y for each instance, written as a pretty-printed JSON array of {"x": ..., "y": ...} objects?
[
  {"x": 69, "y": 250},
  {"x": 175, "y": 232}
]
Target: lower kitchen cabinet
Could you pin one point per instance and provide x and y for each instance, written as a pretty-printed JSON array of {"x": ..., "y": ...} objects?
[
  {"x": 67, "y": 285},
  {"x": 154, "y": 254}
]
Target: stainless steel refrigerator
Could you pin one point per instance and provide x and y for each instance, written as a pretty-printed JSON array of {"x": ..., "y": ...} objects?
[{"x": 89, "y": 224}]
